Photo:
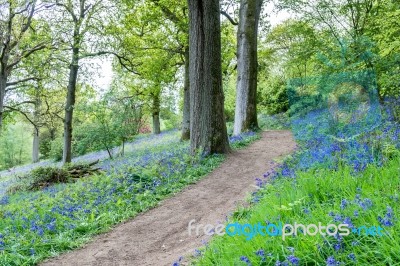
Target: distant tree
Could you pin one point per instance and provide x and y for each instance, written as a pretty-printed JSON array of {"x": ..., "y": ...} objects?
[
  {"x": 18, "y": 42},
  {"x": 175, "y": 11},
  {"x": 79, "y": 25},
  {"x": 153, "y": 48}
]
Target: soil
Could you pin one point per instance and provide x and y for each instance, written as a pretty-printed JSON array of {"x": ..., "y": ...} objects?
[{"x": 160, "y": 236}]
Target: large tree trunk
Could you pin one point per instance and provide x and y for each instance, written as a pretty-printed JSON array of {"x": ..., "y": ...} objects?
[
  {"x": 186, "y": 100},
  {"x": 246, "y": 90},
  {"x": 69, "y": 107},
  {"x": 207, "y": 122},
  {"x": 156, "y": 114}
]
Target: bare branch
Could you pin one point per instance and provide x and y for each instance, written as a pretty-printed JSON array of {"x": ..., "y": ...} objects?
[
  {"x": 12, "y": 109},
  {"x": 12, "y": 83},
  {"x": 231, "y": 20},
  {"x": 125, "y": 62}
]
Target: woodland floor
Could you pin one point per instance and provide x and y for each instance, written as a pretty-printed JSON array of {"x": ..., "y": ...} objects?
[{"x": 160, "y": 235}]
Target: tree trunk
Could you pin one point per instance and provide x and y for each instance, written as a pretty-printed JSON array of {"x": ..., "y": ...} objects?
[
  {"x": 246, "y": 90},
  {"x": 35, "y": 146},
  {"x": 69, "y": 107},
  {"x": 36, "y": 114},
  {"x": 186, "y": 100},
  {"x": 207, "y": 121},
  {"x": 3, "y": 82},
  {"x": 123, "y": 147},
  {"x": 156, "y": 114}
]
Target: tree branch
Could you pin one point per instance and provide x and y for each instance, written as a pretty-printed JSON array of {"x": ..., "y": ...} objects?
[
  {"x": 231, "y": 20},
  {"x": 125, "y": 62},
  {"x": 26, "y": 54},
  {"x": 168, "y": 13},
  {"x": 68, "y": 9},
  {"x": 12, "y": 109},
  {"x": 12, "y": 83}
]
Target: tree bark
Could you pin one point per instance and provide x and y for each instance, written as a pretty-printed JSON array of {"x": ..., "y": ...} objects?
[
  {"x": 36, "y": 114},
  {"x": 208, "y": 133},
  {"x": 186, "y": 100},
  {"x": 69, "y": 107},
  {"x": 156, "y": 114},
  {"x": 35, "y": 146},
  {"x": 3, "y": 82},
  {"x": 246, "y": 90}
]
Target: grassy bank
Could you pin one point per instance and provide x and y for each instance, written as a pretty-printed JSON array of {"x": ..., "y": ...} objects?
[{"x": 42, "y": 224}]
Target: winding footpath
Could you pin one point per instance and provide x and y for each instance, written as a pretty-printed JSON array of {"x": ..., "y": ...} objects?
[{"x": 160, "y": 236}]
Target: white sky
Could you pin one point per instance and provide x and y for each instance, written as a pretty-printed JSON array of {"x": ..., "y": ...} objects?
[{"x": 275, "y": 16}]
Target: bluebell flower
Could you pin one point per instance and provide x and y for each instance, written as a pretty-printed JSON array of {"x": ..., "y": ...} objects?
[
  {"x": 337, "y": 246},
  {"x": 366, "y": 204},
  {"x": 197, "y": 252},
  {"x": 259, "y": 182},
  {"x": 330, "y": 261},
  {"x": 389, "y": 212},
  {"x": 178, "y": 262},
  {"x": 343, "y": 204},
  {"x": 338, "y": 218},
  {"x": 352, "y": 257},
  {"x": 4, "y": 200},
  {"x": 246, "y": 260},
  {"x": 261, "y": 254},
  {"x": 293, "y": 260},
  {"x": 387, "y": 220},
  {"x": 347, "y": 221}
]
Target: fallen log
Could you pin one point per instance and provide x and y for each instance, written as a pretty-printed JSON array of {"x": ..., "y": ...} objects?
[{"x": 82, "y": 170}]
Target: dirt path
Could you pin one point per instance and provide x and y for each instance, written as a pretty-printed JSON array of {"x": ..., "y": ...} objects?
[{"x": 159, "y": 236}]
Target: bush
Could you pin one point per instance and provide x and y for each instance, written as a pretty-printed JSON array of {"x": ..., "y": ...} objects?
[
  {"x": 40, "y": 178},
  {"x": 46, "y": 176},
  {"x": 43, "y": 177},
  {"x": 272, "y": 96},
  {"x": 277, "y": 121},
  {"x": 170, "y": 120}
]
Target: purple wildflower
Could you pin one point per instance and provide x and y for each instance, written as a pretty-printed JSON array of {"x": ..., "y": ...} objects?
[{"x": 293, "y": 260}]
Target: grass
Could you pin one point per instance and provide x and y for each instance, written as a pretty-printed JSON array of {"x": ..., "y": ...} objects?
[
  {"x": 42, "y": 224},
  {"x": 370, "y": 198},
  {"x": 338, "y": 175}
]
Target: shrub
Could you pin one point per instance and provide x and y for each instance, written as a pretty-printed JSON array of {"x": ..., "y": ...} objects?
[
  {"x": 45, "y": 176},
  {"x": 277, "y": 121}
]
